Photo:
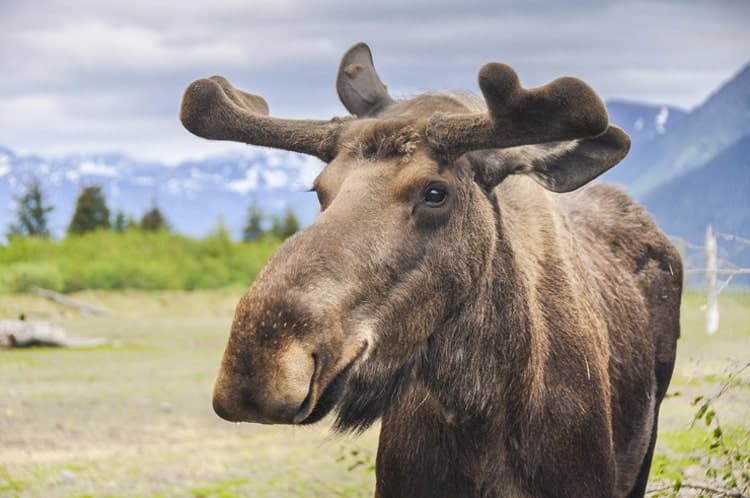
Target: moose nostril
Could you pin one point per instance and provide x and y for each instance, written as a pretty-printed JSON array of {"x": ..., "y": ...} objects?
[
  {"x": 235, "y": 408},
  {"x": 304, "y": 408}
]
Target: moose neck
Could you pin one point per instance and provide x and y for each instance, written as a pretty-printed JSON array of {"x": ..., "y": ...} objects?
[
  {"x": 478, "y": 383},
  {"x": 486, "y": 355}
]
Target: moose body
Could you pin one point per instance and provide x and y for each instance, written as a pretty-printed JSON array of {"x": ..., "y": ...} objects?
[{"x": 514, "y": 329}]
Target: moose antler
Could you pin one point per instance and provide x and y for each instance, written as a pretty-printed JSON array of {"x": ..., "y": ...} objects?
[
  {"x": 212, "y": 108},
  {"x": 565, "y": 109}
]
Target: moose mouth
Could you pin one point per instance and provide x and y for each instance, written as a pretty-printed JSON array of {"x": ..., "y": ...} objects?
[{"x": 331, "y": 393}]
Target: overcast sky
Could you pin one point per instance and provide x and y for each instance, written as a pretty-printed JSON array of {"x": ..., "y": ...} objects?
[{"x": 108, "y": 76}]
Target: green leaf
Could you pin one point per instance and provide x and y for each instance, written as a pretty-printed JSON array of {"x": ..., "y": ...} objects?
[
  {"x": 677, "y": 484},
  {"x": 710, "y": 414},
  {"x": 701, "y": 411}
]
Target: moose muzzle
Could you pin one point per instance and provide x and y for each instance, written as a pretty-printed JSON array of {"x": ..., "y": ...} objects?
[
  {"x": 269, "y": 367},
  {"x": 274, "y": 397}
]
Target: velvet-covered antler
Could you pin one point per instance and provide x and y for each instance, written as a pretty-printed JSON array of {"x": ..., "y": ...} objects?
[
  {"x": 565, "y": 109},
  {"x": 557, "y": 166},
  {"x": 212, "y": 108}
]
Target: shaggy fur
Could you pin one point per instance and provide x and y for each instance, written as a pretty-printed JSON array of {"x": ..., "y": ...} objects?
[{"x": 515, "y": 341}]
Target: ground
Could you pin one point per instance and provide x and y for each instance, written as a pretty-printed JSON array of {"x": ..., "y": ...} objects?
[{"x": 134, "y": 418}]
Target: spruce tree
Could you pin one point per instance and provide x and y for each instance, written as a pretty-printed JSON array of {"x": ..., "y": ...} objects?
[
  {"x": 253, "y": 229},
  {"x": 276, "y": 228},
  {"x": 91, "y": 211},
  {"x": 153, "y": 220},
  {"x": 120, "y": 223},
  {"x": 31, "y": 213},
  {"x": 285, "y": 227},
  {"x": 290, "y": 226}
]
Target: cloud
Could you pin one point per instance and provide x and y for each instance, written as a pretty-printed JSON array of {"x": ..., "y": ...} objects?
[
  {"x": 90, "y": 75},
  {"x": 245, "y": 185},
  {"x": 97, "y": 169}
]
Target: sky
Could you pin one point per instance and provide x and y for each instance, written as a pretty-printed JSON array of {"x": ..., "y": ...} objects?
[{"x": 88, "y": 75}]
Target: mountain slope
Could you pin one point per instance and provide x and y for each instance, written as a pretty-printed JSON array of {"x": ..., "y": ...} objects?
[
  {"x": 643, "y": 122},
  {"x": 692, "y": 141},
  {"x": 718, "y": 193}
]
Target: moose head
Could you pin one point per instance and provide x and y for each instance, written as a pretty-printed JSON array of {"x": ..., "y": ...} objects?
[{"x": 344, "y": 314}]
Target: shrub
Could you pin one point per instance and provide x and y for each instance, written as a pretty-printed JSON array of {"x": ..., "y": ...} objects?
[
  {"x": 24, "y": 277},
  {"x": 133, "y": 259}
]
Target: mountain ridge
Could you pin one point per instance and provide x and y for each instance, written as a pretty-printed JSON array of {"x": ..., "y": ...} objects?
[{"x": 702, "y": 133}]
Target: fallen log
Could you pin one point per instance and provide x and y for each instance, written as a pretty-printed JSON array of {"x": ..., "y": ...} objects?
[
  {"x": 73, "y": 303},
  {"x": 22, "y": 334}
]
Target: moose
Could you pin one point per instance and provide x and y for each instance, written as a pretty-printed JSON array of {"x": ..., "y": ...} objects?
[{"x": 511, "y": 325}]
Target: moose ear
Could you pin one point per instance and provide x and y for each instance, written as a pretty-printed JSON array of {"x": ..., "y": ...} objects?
[
  {"x": 358, "y": 84},
  {"x": 557, "y": 166}
]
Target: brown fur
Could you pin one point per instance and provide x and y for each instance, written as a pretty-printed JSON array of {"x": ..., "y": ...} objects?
[{"x": 515, "y": 341}]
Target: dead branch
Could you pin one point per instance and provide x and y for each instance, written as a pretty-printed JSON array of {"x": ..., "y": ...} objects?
[
  {"x": 22, "y": 334},
  {"x": 85, "y": 308}
]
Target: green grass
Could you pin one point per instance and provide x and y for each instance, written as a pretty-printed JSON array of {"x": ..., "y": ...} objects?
[
  {"x": 133, "y": 418},
  {"x": 8, "y": 485},
  {"x": 131, "y": 260},
  {"x": 688, "y": 452},
  {"x": 221, "y": 489}
]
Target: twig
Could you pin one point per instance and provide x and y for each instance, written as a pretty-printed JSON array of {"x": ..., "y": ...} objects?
[
  {"x": 735, "y": 238},
  {"x": 723, "y": 271},
  {"x": 725, "y": 283},
  {"x": 718, "y": 492},
  {"x": 687, "y": 244}
]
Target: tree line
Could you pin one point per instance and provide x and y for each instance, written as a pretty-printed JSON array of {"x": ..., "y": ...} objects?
[{"x": 92, "y": 213}]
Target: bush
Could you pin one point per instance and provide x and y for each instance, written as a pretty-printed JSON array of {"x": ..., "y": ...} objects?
[
  {"x": 23, "y": 277},
  {"x": 133, "y": 259}
]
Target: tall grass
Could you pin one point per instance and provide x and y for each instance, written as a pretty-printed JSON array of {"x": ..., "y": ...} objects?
[{"x": 134, "y": 259}]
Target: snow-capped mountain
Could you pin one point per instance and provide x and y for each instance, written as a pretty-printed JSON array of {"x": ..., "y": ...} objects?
[
  {"x": 643, "y": 121},
  {"x": 687, "y": 143},
  {"x": 193, "y": 195},
  {"x": 697, "y": 171}
]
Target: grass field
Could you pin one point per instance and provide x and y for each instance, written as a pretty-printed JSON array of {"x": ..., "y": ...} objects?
[{"x": 134, "y": 418}]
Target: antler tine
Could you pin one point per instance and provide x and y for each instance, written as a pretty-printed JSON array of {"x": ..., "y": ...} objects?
[
  {"x": 565, "y": 109},
  {"x": 212, "y": 108}
]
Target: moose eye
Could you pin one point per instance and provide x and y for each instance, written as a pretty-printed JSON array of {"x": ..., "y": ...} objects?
[{"x": 435, "y": 195}]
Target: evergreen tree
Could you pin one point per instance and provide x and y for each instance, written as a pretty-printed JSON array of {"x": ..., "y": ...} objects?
[
  {"x": 276, "y": 229},
  {"x": 153, "y": 220},
  {"x": 253, "y": 229},
  {"x": 285, "y": 227},
  {"x": 31, "y": 213},
  {"x": 290, "y": 225},
  {"x": 91, "y": 211},
  {"x": 120, "y": 223}
]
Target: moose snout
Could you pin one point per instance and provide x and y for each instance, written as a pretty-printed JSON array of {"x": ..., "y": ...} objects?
[{"x": 267, "y": 394}]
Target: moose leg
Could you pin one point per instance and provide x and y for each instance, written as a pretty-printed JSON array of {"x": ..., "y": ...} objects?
[{"x": 663, "y": 376}]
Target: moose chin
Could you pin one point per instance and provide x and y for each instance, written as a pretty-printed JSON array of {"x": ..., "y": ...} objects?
[{"x": 512, "y": 324}]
